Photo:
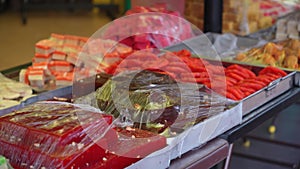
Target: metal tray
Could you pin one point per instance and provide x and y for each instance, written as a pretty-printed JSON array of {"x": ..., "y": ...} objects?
[
  {"x": 258, "y": 98},
  {"x": 264, "y": 95}
]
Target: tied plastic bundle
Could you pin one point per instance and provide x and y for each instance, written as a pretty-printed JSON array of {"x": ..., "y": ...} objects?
[
  {"x": 155, "y": 102},
  {"x": 149, "y": 27},
  {"x": 63, "y": 135},
  {"x": 249, "y": 16}
]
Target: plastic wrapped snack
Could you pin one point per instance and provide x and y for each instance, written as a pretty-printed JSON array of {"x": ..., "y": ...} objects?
[
  {"x": 249, "y": 16},
  {"x": 166, "y": 28},
  {"x": 288, "y": 27},
  {"x": 63, "y": 135},
  {"x": 154, "y": 101}
]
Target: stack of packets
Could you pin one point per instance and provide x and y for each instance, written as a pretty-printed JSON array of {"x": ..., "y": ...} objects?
[
  {"x": 60, "y": 57},
  {"x": 54, "y": 61},
  {"x": 249, "y": 16},
  {"x": 288, "y": 27}
]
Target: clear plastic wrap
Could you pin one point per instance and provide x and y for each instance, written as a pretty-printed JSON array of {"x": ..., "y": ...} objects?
[
  {"x": 156, "y": 102},
  {"x": 249, "y": 16},
  {"x": 288, "y": 27},
  {"x": 152, "y": 29},
  {"x": 63, "y": 135}
]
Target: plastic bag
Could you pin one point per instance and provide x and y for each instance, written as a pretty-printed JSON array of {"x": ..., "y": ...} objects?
[
  {"x": 288, "y": 27},
  {"x": 154, "y": 101},
  {"x": 63, "y": 135},
  {"x": 145, "y": 27},
  {"x": 249, "y": 16}
]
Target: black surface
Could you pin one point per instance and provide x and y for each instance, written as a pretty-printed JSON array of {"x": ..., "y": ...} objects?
[
  {"x": 13, "y": 73},
  {"x": 213, "y": 10},
  {"x": 287, "y": 129},
  {"x": 267, "y": 152},
  {"x": 279, "y": 150},
  {"x": 246, "y": 163},
  {"x": 261, "y": 114}
]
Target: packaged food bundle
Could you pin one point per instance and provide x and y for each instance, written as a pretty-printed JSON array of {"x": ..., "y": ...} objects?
[
  {"x": 248, "y": 16},
  {"x": 62, "y": 53},
  {"x": 149, "y": 27},
  {"x": 54, "y": 54},
  {"x": 63, "y": 135},
  {"x": 288, "y": 27}
]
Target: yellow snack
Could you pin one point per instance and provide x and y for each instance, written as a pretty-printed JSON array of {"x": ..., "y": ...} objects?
[
  {"x": 241, "y": 56},
  {"x": 268, "y": 59},
  {"x": 291, "y": 62}
]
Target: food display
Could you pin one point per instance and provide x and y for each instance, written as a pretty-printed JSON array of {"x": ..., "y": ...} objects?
[
  {"x": 242, "y": 82},
  {"x": 12, "y": 92},
  {"x": 284, "y": 54},
  {"x": 63, "y": 135},
  {"x": 126, "y": 99},
  {"x": 234, "y": 82}
]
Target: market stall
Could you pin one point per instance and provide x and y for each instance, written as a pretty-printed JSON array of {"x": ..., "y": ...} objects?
[{"x": 187, "y": 101}]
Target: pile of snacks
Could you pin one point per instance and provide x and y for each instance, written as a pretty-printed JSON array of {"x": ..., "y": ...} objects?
[
  {"x": 58, "y": 58},
  {"x": 181, "y": 66},
  {"x": 54, "y": 60},
  {"x": 284, "y": 54}
]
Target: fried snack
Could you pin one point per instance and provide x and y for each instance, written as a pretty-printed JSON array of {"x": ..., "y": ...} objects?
[
  {"x": 291, "y": 61},
  {"x": 282, "y": 54}
]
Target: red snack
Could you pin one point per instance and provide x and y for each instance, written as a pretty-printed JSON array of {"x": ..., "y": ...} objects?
[
  {"x": 272, "y": 70},
  {"x": 241, "y": 73},
  {"x": 235, "y": 76},
  {"x": 231, "y": 96},
  {"x": 273, "y": 76},
  {"x": 183, "y": 53},
  {"x": 231, "y": 80},
  {"x": 133, "y": 145},
  {"x": 54, "y": 135},
  {"x": 250, "y": 73},
  {"x": 155, "y": 64},
  {"x": 251, "y": 85},
  {"x": 236, "y": 92},
  {"x": 175, "y": 70},
  {"x": 255, "y": 81},
  {"x": 203, "y": 81},
  {"x": 235, "y": 66},
  {"x": 246, "y": 90},
  {"x": 265, "y": 78}
]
